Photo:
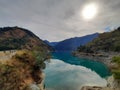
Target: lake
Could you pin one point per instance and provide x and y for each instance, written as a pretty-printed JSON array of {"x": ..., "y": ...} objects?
[{"x": 66, "y": 72}]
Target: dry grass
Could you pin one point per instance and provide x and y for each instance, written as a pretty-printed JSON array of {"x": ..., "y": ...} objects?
[
  {"x": 19, "y": 71},
  {"x": 2, "y": 53},
  {"x": 15, "y": 74}
]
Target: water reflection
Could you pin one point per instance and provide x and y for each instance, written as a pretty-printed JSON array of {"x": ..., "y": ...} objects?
[
  {"x": 98, "y": 67},
  {"x": 64, "y": 76}
]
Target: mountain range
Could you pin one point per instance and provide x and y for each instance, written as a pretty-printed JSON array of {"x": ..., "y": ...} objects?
[
  {"x": 72, "y": 44},
  {"x": 107, "y": 41}
]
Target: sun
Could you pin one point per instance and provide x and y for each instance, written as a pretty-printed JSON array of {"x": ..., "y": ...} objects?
[{"x": 89, "y": 11}]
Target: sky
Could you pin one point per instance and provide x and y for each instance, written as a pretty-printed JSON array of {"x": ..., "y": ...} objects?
[{"x": 56, "y": 20}]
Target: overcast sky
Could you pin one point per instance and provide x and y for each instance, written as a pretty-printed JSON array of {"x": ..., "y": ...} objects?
[{"x": 56, "y": 20}]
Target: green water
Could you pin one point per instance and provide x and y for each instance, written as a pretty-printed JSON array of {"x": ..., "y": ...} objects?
[
  {"x": 66, "y": 72},
  {"x": 98, "y": 67}
]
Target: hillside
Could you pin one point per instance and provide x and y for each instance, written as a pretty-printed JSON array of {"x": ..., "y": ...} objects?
[
  {"x": 19, "y": 38},
  {"x": 22, "y": 59},
  {"x": 72, "y": 43},
  {"x": 108, "y": 41},
  {"x": 106, "y": 49}
]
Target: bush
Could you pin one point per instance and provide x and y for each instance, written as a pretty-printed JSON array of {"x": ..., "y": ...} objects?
[
  {"x": 116, "y": 59},
  {"x": 116, "y": 47},
  {"x": 40, "y": 56},
  {"x": 10, "y": 78},
  {"x": 85, "y": 49},
  {"x": 116, "y": 73}
]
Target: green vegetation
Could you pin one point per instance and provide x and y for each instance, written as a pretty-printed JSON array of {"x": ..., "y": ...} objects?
[
  {"x": 85, "y": 49},
  {"x": 40, "y": 56},
  {"x": 116, "y": 71},
  {"x": 11, "y": 43},
  {"x": 19, "y": 38},
  {"x": 116, "y": 59},
  {"x": 108, "y": 41}
]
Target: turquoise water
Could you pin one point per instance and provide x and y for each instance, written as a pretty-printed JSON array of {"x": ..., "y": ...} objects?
[{"x": 66, "y": 72}]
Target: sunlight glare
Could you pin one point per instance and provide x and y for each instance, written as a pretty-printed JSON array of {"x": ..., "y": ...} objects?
[{"x": 89, "y": 11}]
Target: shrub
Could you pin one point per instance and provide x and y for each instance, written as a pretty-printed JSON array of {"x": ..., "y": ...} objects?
[
  {"x": 116, "y": 72},
  {"x": 116, "y": 59},
  {"x": 85, "y": 49},
  {"x": 10, "y": 78},
  {"x": 40, "y": 56}
]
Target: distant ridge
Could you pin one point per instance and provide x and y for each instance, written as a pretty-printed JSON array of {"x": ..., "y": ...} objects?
[
  {"x": 108, "y": 41},
  {"x": 51, "y": 43},
  {"x": 72, "y": 44}
]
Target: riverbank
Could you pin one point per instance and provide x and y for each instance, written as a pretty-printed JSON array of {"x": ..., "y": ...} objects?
[{"x": 106, "y": 58}]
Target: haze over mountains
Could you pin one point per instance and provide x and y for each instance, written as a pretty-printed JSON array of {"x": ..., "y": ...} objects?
[{"x": 72, "y": 44}]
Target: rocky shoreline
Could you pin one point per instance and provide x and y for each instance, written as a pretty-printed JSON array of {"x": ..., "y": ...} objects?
[{"x": 106, "y": 58}]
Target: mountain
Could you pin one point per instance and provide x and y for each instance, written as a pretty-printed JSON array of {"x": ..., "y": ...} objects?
[
  {"x": 106, "y": 49},
  {"x": 73, "y": 43},
  {"x": 108, "y": 41},
  {"x": 51, "y": 43},
  {"x": 22, "y": 69},
  {"x": 20, "y": 38}
]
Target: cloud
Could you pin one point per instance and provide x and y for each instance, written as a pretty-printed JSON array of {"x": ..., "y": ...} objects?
[
  {"x": 65, "y": 78},
  {"x": 58, "y": 19}
]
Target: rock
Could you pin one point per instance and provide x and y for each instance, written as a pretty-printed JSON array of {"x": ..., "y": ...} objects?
[
  {"x": 91, "y": 88},
  {"x": 34, "y": 87},
  {"x": 112, "y": 83}
]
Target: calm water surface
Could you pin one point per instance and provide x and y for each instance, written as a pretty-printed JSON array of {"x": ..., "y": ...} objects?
[{"x": 66, "y": 72}]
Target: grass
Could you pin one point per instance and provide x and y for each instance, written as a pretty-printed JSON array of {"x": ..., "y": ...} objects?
[
  {"x": 116, "y": 59},
  {"x": 15, "y": 72},
  {"x": 116, "y": 72}
]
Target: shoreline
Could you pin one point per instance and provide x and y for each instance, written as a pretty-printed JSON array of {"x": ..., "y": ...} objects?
[{"x": 105, "y": 58}]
